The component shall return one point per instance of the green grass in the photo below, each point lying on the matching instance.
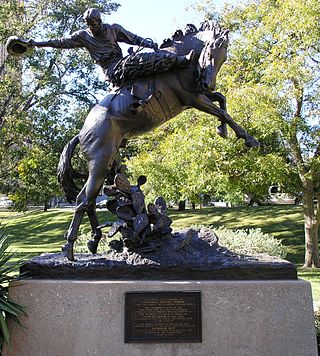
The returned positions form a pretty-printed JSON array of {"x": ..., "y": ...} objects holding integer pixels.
[
  {"x": 37, "y": 232},
  {"x": 312, "y": 275}
]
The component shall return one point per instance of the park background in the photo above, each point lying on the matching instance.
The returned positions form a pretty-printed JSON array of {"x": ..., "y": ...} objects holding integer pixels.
[{"x": 271, "y": 81}]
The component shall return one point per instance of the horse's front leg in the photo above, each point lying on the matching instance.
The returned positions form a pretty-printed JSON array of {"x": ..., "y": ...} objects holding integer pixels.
[
  {"x": 204, "y": 104},
  {"x": 222, "y": 129}
]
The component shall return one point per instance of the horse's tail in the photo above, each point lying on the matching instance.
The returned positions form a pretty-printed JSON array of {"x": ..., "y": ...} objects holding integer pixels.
[{"x": 66, "y": 174}]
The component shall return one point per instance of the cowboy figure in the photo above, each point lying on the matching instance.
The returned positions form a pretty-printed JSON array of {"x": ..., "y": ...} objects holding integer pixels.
[{"x": 101, "y": 41}]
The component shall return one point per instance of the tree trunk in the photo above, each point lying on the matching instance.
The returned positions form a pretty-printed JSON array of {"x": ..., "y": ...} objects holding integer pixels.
[
  {"x": 46, "y": 206},
  {"x": 182, "y": 205},
  {"x": 311, "y": 216},
  {"x": 311, "y": 227}
]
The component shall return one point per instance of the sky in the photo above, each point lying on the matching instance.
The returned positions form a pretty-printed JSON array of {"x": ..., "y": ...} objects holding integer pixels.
[
  {"x": 155, "y": 19},
  {"x": 158, "y": 19}
]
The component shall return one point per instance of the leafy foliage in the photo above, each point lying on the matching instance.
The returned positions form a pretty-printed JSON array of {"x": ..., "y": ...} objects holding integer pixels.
[
  {"x": 82, "y": 240},
  {"x": 37, "y": 182},
  {"x": 276, "y": 53},
  {"x": 250, "y": 242},
  {"x": 271, "y": 81},
  {"x": 317, "y": 325},
  {"x": 186, "y": 159},
  {"x": 9, "y": 309},
  {"x": 45, "y": 95},
  {"x": 242, "y": 241}
]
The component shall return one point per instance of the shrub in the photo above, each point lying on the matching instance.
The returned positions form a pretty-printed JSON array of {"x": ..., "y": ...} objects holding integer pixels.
[
  {"x": 317, "y": 326},
  {"x": 9, "y": 309},
  {"x": 317, "y": 323},
  {"x": 250, "y": 242}
]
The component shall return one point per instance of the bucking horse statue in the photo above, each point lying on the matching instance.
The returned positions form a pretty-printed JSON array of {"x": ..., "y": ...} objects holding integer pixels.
[{"x": 140, "y": 104}]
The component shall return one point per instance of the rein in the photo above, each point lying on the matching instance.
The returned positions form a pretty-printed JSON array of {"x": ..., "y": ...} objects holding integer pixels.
[{"x": 123, "y": 61}]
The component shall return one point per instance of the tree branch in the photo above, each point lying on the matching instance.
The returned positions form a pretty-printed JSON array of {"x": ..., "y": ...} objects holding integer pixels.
[
  {"x": 310, "y": 56},
  {"x": 293, "y": 141},
  {"x": 4, "y": 110},
  {"x": 32, "y": 96},
  {"x": 76, "y": 93}
]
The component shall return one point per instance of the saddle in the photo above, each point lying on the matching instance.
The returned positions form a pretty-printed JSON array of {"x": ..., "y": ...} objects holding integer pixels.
[{"x": 126, "y": 71}]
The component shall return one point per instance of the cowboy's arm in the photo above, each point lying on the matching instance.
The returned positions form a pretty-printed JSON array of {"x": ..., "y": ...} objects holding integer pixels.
[
  {"x": 74, "y": 41},
  {"x": 130, "y": 38}
]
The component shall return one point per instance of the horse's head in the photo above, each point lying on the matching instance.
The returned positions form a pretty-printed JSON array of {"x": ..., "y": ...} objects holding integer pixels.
[
  {"x": 210, "y": 43},
  {"x": 213, "y": 55}
]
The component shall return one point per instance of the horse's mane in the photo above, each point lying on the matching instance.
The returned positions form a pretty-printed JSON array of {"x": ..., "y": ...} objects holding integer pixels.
[{"x": 190, "y": 30}]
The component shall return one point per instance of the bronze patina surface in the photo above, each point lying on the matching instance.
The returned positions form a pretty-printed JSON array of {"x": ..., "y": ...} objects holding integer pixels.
[
  {"x": 187, "y": 255},
  {"x": 141, "y": 105},
  {"x": 149, "y": 89}
]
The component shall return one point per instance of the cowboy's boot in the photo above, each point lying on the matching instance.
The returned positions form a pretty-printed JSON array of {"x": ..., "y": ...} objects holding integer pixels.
[{"x": 184, "y": 61}]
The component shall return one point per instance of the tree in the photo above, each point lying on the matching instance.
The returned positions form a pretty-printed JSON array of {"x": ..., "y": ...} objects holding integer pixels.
[
  {"x": 276, "y": 52},
  {"x": 36, "y": 181},
  {"x": 44, "y": 96},
  {"x": 271, "y": 81},
  {"x": 186, "y": 159}
]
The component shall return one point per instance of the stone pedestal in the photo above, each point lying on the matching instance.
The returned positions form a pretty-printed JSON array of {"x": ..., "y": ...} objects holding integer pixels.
[{"x": 83, "y": 317}]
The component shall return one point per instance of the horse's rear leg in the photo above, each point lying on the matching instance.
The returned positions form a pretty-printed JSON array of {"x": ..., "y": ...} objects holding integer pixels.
[
  {"x": 71, "y": 234},
  {"x": 96, "y": 233},
  {"x": 85, "y": 200}
]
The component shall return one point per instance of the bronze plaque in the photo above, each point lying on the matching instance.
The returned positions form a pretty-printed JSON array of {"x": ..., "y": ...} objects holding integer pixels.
[{"x": 162, "y": 317}]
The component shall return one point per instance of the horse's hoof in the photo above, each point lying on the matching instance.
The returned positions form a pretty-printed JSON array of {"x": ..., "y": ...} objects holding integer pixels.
[
  {"x": 252, "y": 143},
  {"x": 93, "y": 246},
  {"x": 222, "y": 131},
  {"x": 67, "y": 251}
]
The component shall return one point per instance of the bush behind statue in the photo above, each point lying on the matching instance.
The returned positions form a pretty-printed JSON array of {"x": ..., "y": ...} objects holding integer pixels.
[
  {"x": 248, "y": 242},
  {"x": 9, "y": 309},
  {"x": 83, "y": 238}
]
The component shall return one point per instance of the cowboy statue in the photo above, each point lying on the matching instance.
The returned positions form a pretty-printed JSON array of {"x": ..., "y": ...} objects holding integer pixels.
[
  {"x": 189, "y": 63},
  {"x": 101, "y": 41}
]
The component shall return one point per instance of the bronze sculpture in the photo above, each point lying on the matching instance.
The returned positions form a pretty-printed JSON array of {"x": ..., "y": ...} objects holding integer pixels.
[
  {"x": 139, "y": 106},
  {"x": 157, "y": 91},
  {"x": 142, "y": 227},
  {"x": 101, "y": 41}
]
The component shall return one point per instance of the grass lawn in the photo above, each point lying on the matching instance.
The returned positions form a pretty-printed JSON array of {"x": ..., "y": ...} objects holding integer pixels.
[{"x": 37, "y": 232}]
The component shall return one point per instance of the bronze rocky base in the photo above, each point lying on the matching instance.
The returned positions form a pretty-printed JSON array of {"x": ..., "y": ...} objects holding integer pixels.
[{"x": 187, "y": 255}]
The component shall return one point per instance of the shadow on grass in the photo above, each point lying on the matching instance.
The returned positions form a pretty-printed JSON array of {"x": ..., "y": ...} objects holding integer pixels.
[
  {"x": 38, "y": 232},
  {"x": 43, "y": 231}
]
